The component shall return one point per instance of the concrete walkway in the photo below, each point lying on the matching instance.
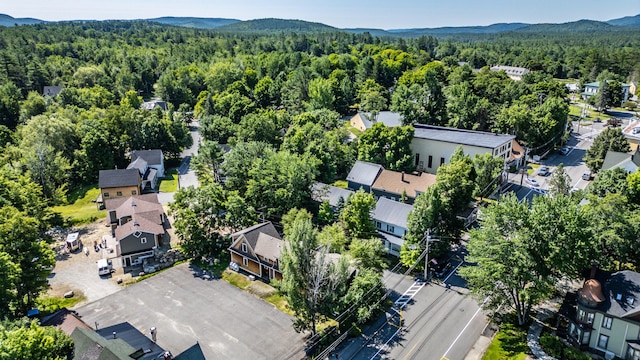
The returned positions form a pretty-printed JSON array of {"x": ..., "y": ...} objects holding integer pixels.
[{"x": 545, "y": 311}]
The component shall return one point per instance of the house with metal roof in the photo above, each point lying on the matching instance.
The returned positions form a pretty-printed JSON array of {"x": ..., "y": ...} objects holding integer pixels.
[
  {"x": 365, "y": 120},
  {"x": 513, "y": 72},
  {"x": 362, "y": 175},
  {"x": 155, "y": 103},
  {"x": 604, "y": 314},
  {"x": 153, "y": 158},
  {"x": 433, "y": 146},
  {"x": 52, "y": 90},
  {"x": 626, "y": 161},
  {"x": 256, "y": 250},
  {"x": 390, "y": 218},
  {"x": 321, "y": 192}
]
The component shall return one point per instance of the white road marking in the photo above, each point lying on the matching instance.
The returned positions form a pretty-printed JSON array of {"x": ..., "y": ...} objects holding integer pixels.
[{"x": 465, "y": 327}]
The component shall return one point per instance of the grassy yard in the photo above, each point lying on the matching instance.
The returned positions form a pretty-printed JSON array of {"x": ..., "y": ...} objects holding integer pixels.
[
  {"x": 341, "y": 184},
  {"x": 80, "y": 207},
  {"x": 169, "y": 183},
  {"x": 591, "y": 114},
  {"x": 509, "y": 344},
  {"x": 48, "y": 305}
]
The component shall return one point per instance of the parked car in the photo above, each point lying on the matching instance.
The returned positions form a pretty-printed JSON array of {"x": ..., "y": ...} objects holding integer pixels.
[
  {"x": 543, "y": 171},
  {"x": 586, "y": 176},
  {"x": 564, "y": 151},
  {"x": 532, "y": 182}
]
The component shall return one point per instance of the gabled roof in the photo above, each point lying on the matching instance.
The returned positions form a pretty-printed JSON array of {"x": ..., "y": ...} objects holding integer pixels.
[
  {"x": 139, "y": 222},
  {"x": 622, "y": 289},
  {"x": 321, "y": 192},
  {"x": 516, "y": 151},
  {"x": 252, "y": 233},
  {"x": 510, "y": 70},
  {"x": 151, "y": 104},
  {"x": 152, "y": 157},
  {"x": 364, "y": 172},
  {"x": 89, "y": 345},
  {"x": 388, "y": 118},
  {"x": 461, "y": 136},
  {"x": 65, "y": 320},
  {"x": 268, "y": 246},
  {"x": 397, "y": 182},
  {"x": 596, "y": 84},
  {"x": 615, "y": 159},
  {"x": 391, "y": 212},
  {"x": 146, "y": 207},
  {"x": 52, "y": 90},
  {"x": 118, "y": 178},
  {"x": 133, "y": 338},
  {"x": 113, "y": 204},
  {"x": 139, "y": 164}
]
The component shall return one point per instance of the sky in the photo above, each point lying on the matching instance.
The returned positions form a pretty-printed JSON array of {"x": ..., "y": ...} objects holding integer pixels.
[{"x": 381, "y": 14}]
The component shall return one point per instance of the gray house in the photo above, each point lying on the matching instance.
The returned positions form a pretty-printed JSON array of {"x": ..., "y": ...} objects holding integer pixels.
[
  {"x": 137, "y": 224},
  {"x": 390, "y": 218},
  {"x": 321, "y": 192},
  {"x": 362, "y": 175}
]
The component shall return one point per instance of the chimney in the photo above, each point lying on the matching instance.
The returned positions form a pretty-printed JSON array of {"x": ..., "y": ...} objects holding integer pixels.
[{"x": 594, "y": 270}]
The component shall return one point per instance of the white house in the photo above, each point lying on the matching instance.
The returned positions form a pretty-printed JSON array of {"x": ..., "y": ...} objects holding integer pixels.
[
  {"x": 433, "y": 146},
  {"x": 513, "y": 72},
  {"x": 390, "y": 218},
  {"x": 592, "y": 89}
]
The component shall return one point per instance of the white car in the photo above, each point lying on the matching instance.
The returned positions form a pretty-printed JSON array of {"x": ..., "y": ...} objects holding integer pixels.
[
  {"x": 532, "y": 182},
  {"x": 564, "y": 151},
  {"x": 543, "y": 171}
]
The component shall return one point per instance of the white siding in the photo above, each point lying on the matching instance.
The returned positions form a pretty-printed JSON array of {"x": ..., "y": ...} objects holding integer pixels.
[{"x": 424, "y": 148}]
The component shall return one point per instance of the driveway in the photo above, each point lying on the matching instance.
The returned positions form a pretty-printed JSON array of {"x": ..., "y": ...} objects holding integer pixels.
[
  {"x": 227, "y": 322},
  {"x": 79, "y": 272}
]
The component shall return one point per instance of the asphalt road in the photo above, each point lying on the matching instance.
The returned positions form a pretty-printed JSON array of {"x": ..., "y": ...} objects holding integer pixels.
[
  {"x": 439, "y": 322},
  {"x": 227, "y": 322}
]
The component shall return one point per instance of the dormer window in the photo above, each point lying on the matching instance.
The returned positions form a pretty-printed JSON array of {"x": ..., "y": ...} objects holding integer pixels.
[
  {"x": 244, "y": 247},
  {"x": 618, "y": 297},
  {"x": 630, "y": 300}
]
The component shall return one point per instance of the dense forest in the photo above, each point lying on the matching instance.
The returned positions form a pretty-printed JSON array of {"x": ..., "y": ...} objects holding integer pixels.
[{"x": 277, "y": 99}]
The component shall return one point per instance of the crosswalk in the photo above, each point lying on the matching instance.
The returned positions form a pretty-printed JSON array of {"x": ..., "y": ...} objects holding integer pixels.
[{"x": 403, "y": 300}]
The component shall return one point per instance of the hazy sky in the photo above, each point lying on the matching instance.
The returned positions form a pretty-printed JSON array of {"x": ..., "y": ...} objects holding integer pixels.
[{"x": 385, "y": 14}]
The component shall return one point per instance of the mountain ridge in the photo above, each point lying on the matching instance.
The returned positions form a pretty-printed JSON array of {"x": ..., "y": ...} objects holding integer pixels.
[{"x": 284, "y": 25}]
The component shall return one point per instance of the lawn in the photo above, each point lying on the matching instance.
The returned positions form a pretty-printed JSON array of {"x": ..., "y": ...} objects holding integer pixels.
[
  {"x": 81, "y": 207},
  {"x": 341, "y": 184},
  {"x": 590, "y": 114},
  {"x": 509, "y": 344},
  {"x": 169, "y": 183}
]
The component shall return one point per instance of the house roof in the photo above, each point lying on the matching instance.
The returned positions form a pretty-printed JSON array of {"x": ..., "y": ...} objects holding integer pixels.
[
  {"x": 153, "y": 157},
  {"x": 396, "y": 182},
  {"x": 52, "y": 90},
  {"x": 139, "y": 164},
  {"x": 139, "y": 222},
  {"x": 511, "y": 70},
  {"x": 268, "y": 246},
  {"x": 596, "y": 84},
  {"x": 65, "y": 320},
  {"x": 364, "y": 172},
  {"x": 622, "y": 290},
  {"x": 113, "y": 204},
  {"x": 252, "y": 233},
  {"x": 89, "y": 345},
  {"x": 151, "y": 104},
  {"x": 133, "y": 338},
  {"x": 461, "y": 136},
  {"x": 391, "y": 212},
  {"x": 388, "y": 118},
  {"x": 390, "y": 238},
  {"x": 629, "y": 162},
  {"x": 118, "y": 178},
  {"x": 321, "y": 192}
]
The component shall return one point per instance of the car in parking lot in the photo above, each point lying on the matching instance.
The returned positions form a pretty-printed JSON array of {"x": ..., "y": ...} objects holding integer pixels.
[
  {"x": 543, "y": 171},
  {"x": 564, "y": 150},
  {"x": 532, "y": 182}
]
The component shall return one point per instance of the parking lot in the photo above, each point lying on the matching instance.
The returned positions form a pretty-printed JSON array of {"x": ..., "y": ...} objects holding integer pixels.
[{"x": 227, "y": 322}]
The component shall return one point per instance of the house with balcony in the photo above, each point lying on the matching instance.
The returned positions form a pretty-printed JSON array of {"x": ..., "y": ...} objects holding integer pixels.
[
  {"x": 603, "y": 316},
  {"x": 256, "y": 250}
]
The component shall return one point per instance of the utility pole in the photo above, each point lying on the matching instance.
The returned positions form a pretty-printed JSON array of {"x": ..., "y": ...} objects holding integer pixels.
[{"x": 426, "y": 261}]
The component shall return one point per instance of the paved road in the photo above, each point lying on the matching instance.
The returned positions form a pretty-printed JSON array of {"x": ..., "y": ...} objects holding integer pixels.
[
  {"x": 227, "y": 322},
  {"x": 440, "y": 321},
  {"x": 186, "y": 176}
]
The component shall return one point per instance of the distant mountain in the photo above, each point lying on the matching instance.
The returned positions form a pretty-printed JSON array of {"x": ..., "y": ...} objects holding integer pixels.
[
  {"x": 276, "y": 25},
  {"x": 625, "y": 21},
  {"x": 490, "y": 29},
  {"x": 194, "y": 22},
  {"x": 373, "y": 32},
  {"x": 575, "y": 26},
  {"x": 6, "y": 20}
]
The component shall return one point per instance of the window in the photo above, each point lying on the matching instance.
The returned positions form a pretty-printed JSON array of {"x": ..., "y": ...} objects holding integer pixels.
[
  {"x": 606, "y": 322},
  {"x": 118, "y": 193},
  {"x": 585, "y": 317},
  {"x": 590, "y": 317},
  {"x": 441, "y": 161},
  {"x": 633, "y": 354},
  {"x": 105, "y": 195},
  {"x": 133, "y": 192},
  {"x": 378, "y": 225},
  {"x": 390, "y": 228},
  {"x": 509, "y": 146},
  {"x": 417, "y": 159},
  {"x": 603, "y": 340},
  {"x": 143, "y": 240},
  {"x": 430, "y": 164},
  {"x": 244, "y": 247},
  {"x": 245, "y": 262},
  {"x": 137, "y": 233}
]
